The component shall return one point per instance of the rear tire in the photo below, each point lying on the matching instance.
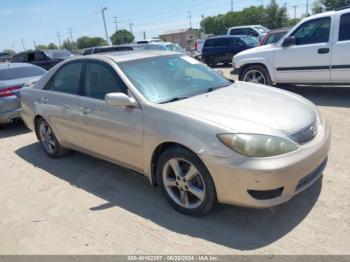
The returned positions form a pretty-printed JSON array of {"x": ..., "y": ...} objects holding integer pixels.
[
  {"x": 48, "y": 140},
  {"x": 185, "y": 182},
  {"x": 210, "y": 61},
  {"x": 256, "y": 74}
]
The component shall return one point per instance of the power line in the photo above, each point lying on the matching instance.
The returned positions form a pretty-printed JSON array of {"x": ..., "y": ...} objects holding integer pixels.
[
  {"x": 295, "y": 11},
  {"x": 131, "y": 26},
  {"x": 24, "y": 48},
  {"x": 104, "y": 22}
]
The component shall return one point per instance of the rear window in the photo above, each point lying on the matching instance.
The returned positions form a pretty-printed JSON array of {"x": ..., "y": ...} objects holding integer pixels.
[
  {"x": 20, "y": 72},
  {"x": 344, "y": 28},
  {"x": 275, "y": 37},
  {"x": 249, "y": 40},
  {"x": 210, "y": 43},
  {"x": 58, "y": 54},
  {"x": 236, "y": 32}
]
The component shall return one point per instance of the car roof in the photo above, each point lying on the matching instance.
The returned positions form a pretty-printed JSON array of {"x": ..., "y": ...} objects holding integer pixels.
[
  {"x": 226, "y": 36},
  {"x": 243, "y": 26},
  {"x": 124, "y": 56},
  {"x": 14, "y": 65}
]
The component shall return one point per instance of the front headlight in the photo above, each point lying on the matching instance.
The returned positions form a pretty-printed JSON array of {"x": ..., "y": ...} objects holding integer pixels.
[{"x": 254, "y": 145}]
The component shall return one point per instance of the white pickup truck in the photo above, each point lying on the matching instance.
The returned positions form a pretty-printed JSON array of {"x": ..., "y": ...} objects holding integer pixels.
[{"x": 317, "y": 50}]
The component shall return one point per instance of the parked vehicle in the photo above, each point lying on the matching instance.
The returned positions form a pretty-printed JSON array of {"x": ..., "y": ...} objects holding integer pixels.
[
  {"x": 149, "y": 41},
  {"x": 168, "y": 46},
  {"x": 221, "y": 49},
  {"x": 105, "y": 49},
  {"x": 314, "y": 51},
  {"x": 257, "y": 31},
  {"x": 13, "y": 77},
  {"x": 198, "y": 45},
  {"x": 274, "y": 36},
  {"x": 192, "y": 132},
  {"x": 43, "y": 58},
  {"x": 4, "y": 57}
]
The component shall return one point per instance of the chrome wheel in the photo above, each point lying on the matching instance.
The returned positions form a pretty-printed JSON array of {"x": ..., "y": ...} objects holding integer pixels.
[
  {"x": 254, "y": 76},
  {"x": 183, "y": 183},
  {"x": 47, "y": 138}
]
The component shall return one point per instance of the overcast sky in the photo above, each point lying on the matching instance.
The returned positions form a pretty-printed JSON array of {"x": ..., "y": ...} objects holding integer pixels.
[{"x": 40, "y": 20}]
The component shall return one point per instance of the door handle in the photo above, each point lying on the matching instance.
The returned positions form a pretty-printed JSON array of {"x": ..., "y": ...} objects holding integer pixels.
[
  {"x": 323, "y": 50},
  {"x": 85, "y": 110},
  {"x": 44, "y": 100}
]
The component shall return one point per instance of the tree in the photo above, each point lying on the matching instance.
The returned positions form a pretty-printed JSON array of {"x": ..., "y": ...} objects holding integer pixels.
[
  {"x": 41, "y": 47},
  {"x": 334, "y": 4},
  {"x": 52, "y": 46},
  {"x": 317, "y": 7},
  {"x": 122, "y": 37},
  {"x": 69, "y": 45},
  {"x": 9, "y": 51},
  {"x": 276, "y": 16},
  {"x": 86, "y": 41}
]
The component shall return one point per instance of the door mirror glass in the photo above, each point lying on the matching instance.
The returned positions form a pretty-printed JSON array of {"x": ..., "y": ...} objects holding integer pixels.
[
  {"x": 120, "y": 99},
  {"x": 289, "y": 41}
]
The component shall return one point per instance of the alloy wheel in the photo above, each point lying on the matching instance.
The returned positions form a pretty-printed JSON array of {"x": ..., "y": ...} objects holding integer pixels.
[
  {"x": 254, "y": 76},
  {"x": 184, "y": 183},
  {"x": 47, "y": 138}
]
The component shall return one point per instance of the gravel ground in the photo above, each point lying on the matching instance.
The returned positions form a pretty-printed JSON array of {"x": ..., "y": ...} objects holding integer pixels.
[{"x": 83, "y": 205}]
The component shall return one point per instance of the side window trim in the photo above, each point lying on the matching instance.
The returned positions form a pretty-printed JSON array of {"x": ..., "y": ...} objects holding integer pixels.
[
  {"x": 109, "y": 68},
  {"x": 48, "y": 85}
]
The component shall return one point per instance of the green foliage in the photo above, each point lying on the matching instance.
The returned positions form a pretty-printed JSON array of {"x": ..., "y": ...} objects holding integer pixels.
[
  {"x": 273, "y": 16},
  {"x": 122, "y": 37},
  {"x": 41, "y": 47},
  {"x": 293, "y": 22},
  {"x": 52, "y": 46},
  {"x": 86, "y": 41},
  {"x": 317, "y": 7},
  {"x": 69, "y": 45},
  {"x": 334, "y": 4},
  {"x": 9, "y": 51}
]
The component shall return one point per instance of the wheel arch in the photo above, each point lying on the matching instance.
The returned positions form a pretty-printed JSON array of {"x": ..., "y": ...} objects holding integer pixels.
[{"x": 263, "y": 63}]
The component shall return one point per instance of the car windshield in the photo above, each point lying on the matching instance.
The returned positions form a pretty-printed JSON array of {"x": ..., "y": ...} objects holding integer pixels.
[
  {"x": 166, "y": 78},
  {"x": 249, "y": 40},
  {"x": 20, "y": 72},
  {"x": 58, "y": 54},
  {"x": 262, "y": 29}
]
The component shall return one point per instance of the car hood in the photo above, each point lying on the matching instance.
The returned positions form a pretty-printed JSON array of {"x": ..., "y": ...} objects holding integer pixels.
[
  {"x": 246, "y": 107},
  {"x": 258, "y": 49}
]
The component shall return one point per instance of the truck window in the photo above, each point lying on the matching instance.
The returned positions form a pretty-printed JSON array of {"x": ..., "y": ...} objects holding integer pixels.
[
  {"x": 313, "y": 31},
  {"x": 344, "y": 27},
  {"x": 210, "y": 43}
]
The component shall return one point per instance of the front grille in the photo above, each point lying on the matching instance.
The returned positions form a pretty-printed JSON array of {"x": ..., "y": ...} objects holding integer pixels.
[
  {"x": 305, "y": 135},
  {"x": 312, "y": 176}
]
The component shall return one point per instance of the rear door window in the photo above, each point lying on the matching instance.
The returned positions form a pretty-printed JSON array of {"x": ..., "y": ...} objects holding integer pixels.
[
  {"x": 67, "y": 79},
  {"x": 224, "y": 42},
  {"x": 236, "y": 32},
  {"x": 344, "y": 27}
]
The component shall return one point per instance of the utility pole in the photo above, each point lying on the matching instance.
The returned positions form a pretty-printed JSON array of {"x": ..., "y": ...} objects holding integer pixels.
[
  {"x": 70, "y": 34},
  {"x": 190, "y": 18},
  {"x": 144, "y": 35},
  {"x": 34, "y": 44},
  {"x": 24, "y": 48},
  {"x": 262, "y": 3},
  {"x": 116, "y": 23},
  {"x": 231, "y": 5},
  {"x": 295, "y": 11},
  {"x": 307, "y": 7},
  {"x": 131, "y": 25},
  {"x": 104, "y": 22},
  {"x": 203, "y": 17},
  {"x": 285, "y": 5},
  {"x": 59, "y": 39}
]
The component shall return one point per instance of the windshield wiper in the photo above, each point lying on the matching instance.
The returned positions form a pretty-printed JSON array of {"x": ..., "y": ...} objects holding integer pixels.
[
  {"x": 210, "y": 89},
  {"x": 177, "y": 98}
]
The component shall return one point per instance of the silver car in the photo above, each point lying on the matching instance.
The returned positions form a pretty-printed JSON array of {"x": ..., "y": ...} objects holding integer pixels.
[
  {"x": 198, "y": 136},
  {"x": 13, "y": 77}
]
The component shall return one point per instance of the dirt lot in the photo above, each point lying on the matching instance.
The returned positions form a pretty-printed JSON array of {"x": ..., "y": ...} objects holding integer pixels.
[{"x": 82, "y": 205}]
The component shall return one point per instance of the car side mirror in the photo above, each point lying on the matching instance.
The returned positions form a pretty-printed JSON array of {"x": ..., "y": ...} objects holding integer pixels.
[
  {"x": 120, "y": 99},
  {"x": 289, "y": 41}
]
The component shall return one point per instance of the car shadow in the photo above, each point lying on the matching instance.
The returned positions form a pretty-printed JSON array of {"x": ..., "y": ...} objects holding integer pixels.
[
  {"x": 337, "y": 96},
  {"x": 13, "y": 129},
  {"x": 234, "y": 227}
]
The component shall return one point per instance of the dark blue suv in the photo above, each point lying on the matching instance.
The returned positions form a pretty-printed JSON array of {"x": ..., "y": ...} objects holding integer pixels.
[{"x": 221, "y": 49}]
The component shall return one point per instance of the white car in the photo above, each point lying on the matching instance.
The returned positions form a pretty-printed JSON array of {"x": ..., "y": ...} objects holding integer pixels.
[
  {"x": 317, "y": 50},
  {"x": 257, "y": 31}
]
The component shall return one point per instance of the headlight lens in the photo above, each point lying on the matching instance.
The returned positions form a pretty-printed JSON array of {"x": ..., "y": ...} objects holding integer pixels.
[{"x": 254, "y": 145}]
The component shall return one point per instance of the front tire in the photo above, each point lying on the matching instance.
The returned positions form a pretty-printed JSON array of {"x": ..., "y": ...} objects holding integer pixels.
[
  {"x": 48, "y": 140},
  {"x": 185, "y": 182},
  {"x": 257, "y": 74}
]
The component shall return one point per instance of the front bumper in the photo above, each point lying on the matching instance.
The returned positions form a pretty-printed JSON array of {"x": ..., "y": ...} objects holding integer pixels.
[
  {"x": 266, "y": 182},
  {"x": 236, "y": 71},
  {"x": 10, "y": 109}
]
